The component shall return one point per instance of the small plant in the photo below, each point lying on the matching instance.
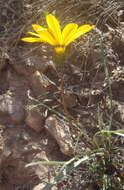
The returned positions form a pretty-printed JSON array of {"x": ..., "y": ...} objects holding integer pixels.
[{"x": 106, "y": 167}]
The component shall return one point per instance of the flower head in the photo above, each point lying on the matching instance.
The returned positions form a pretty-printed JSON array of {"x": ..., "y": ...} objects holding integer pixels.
[{"x": 56, "y": 37}]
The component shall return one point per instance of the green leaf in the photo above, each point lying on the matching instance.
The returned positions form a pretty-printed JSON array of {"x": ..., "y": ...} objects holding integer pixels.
[{"x": 45, "y": 163}]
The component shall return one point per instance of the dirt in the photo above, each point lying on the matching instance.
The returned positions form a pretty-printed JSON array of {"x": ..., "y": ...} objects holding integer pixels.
[{"x": 30, "y": 95}]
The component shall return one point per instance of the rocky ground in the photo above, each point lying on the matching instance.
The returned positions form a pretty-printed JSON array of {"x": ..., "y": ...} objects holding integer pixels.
[{"x": 34, "y": 123}]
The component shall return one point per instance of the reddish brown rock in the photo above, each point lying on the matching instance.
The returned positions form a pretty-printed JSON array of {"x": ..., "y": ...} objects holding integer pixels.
[
  {"x": 35, "y": 120},
  {"x": 40, "y": 83},
  {"x": 59, "y": 129}
]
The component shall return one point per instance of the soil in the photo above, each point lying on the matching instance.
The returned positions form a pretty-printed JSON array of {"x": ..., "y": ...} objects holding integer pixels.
[{"x": 34, "y": 124}]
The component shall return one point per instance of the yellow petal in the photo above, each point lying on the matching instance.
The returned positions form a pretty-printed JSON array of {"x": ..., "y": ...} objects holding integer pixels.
[
  {"x": 54, "y": 27},
  {"x": 34, "y": 34},
  {"x": 68, "y": 31},
  {"x": 80, "y": 31},
  {"x": 30, "y": 39},
  {"x": 46, "y": 36},
  {"x": 37, "y": 28}
]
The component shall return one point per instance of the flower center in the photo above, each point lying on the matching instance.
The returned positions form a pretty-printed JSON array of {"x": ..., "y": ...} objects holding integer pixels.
[{"x": 60, "y": 50}]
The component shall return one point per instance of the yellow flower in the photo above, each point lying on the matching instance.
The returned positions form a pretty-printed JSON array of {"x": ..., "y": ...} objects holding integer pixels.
[{"x": 56, "y": 37}]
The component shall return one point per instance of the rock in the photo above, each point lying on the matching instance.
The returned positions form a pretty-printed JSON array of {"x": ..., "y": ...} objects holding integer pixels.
[
  {"x": 14, "y": 98},
  {"x": 25, "y": 64},
  {"x": 35, "y": 120},
  {"x": 2, "y": 143},
  {"x": 19, "y": 147},
  {"x": 40, "y": 83},
  {"x": 41, "y": 186},
  {"x": 11, "y": 108},
  {"x": 59, "y": 129}
]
